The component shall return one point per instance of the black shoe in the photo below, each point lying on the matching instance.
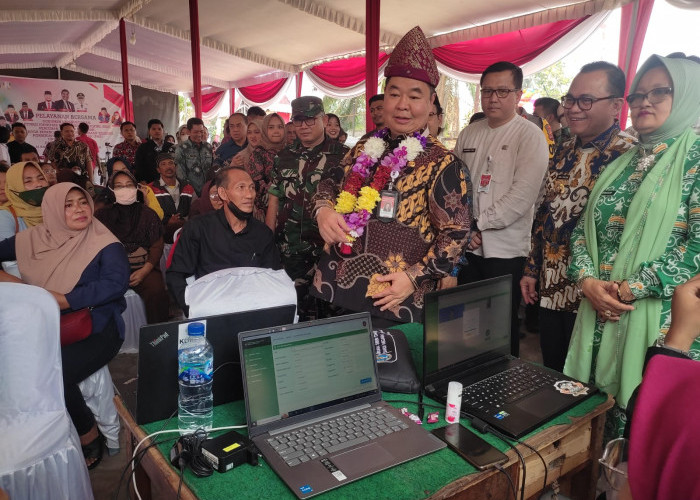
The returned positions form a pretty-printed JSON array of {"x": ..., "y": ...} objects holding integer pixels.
[{"x": 94, "y": 449}]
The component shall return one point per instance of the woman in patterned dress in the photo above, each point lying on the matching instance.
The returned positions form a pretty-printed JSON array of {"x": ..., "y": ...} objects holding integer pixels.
[
  {"x": 639, "y": 237},
  {"x": 272, "y": 137}
]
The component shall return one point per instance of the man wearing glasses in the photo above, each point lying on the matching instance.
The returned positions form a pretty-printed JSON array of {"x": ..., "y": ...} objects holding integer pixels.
[
  {"x": 507, "y": 159},
  {"x": 591, "y": 106},
  {"x": 296, "y": 172}
]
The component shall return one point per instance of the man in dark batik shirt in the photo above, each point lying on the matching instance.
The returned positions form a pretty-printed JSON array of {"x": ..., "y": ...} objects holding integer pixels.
[{"x": 396, "y": 260}]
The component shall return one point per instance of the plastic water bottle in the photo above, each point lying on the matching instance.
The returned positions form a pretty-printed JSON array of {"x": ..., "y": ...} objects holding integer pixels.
[{"x": 195, "y": 377}]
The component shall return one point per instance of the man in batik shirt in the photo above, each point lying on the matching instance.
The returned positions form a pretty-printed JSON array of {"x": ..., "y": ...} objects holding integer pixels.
[
  {"x": 293, "y": 181},
  {"x": 408, "y": 230},
  {"x": 597, "y": 140}
]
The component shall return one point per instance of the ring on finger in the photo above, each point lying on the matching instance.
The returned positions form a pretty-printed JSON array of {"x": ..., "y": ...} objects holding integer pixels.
[{"x": 608, "y": 313}]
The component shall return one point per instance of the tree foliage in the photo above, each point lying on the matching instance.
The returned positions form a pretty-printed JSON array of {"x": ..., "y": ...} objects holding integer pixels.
[{"x": 550, "y": 82}]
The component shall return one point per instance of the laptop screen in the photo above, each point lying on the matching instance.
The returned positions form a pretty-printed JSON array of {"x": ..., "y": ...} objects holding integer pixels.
[
  {"x": 307, "y": 367},
  {"x": 466, "y": 325}
]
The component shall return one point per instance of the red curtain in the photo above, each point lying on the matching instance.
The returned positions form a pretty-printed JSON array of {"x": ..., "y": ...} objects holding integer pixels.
[
  {"x": 210, "y": 100},
  {"x": 345, "y": 73},
  {"x": 262, "y": 92},
  {"x": 633, "y": 28},
  {"x": 518, "y": 47}
]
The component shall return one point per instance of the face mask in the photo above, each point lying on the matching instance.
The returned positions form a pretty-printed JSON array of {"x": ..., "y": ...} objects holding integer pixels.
[
  {"x": 240, "y": 214},
  {"x": 126, "y": 195},
  {"x": 32, "y": 197}
]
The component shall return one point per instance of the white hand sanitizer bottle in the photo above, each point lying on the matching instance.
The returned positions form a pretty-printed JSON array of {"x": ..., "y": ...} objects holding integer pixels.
[{"x": 454, "y": 402}]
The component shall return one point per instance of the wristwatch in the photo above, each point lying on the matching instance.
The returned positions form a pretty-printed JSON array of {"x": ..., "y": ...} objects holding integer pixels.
[{"x": 579, "y": 286}]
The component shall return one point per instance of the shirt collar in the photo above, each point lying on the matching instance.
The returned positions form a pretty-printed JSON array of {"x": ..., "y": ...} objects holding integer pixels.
[{"x": 603, "y": 140}]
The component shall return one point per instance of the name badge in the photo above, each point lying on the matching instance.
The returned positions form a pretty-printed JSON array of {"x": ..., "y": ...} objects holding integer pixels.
[
  {"x": 484, "y": 183},
  {"x": 388, "y": 205},
  {"x": 468, "y": 150}
]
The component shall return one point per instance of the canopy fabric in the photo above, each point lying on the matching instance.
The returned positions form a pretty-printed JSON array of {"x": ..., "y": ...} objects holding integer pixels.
[
  {"x": 246, "y": 42},
  {"x": 264, "y": 94}
]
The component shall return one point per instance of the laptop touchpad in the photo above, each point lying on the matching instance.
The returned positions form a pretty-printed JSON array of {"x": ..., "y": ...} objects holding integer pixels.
[
  {"x": 541, "y": 403},
  {"x": 366, "y": 458}
]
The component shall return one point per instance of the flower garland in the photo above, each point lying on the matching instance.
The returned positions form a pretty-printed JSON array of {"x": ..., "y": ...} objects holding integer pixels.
[{"x": 357, "y": 201}]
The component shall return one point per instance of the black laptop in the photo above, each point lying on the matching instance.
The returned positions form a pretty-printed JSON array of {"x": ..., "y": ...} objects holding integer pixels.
[
  {"x": 467, "y": 339},
  {"x": 157, "y": 386}
]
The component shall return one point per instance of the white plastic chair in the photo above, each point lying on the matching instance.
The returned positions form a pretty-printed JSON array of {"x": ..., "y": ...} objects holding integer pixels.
[
  {"x": 239, "y": 289},
  {"x": 40, "y": 456}
]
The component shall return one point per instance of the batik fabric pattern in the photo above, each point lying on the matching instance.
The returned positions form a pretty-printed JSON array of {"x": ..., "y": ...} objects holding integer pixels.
[
  {"x": 658, "y": 278},
  {"x": 426, "y": 239},
  {"x": 571, "y": 176}
]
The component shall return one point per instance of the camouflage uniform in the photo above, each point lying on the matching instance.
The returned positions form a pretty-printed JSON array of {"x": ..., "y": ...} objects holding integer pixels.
[{"x": 293, "y": 180}]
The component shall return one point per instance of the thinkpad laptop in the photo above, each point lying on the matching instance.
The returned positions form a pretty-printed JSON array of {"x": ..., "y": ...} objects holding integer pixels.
[
  {"x": 157, "y": 386},
  {"x": 314, "y": 406},
  {"x": 467, "y": 339}
]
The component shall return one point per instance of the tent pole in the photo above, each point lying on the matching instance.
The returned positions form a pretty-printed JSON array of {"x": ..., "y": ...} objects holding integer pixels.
[
  {"x": 232, "y": 99},
  {"x": 300, "y": 77},
  {"x": 125, "y": 71},
  {"x": 196, "y": 62},
  {"x": 371, "y": 55}
]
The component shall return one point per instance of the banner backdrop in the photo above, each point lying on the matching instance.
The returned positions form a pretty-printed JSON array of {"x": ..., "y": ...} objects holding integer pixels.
[{"x": 42, "y": 105}]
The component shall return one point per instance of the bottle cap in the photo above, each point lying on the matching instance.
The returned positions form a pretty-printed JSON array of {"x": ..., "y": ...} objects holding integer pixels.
[
  {"x": 454, "y": 390},
  {"x": 195, "y": 329}
]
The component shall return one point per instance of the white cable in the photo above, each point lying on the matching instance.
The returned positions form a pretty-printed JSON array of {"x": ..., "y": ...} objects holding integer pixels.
[{"x": 170, "y": 431}]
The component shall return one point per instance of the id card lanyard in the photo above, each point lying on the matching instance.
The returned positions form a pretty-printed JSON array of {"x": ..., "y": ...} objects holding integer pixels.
[
  {"x": 388, "y": 201},
  {"x": 485, "y": 180}
]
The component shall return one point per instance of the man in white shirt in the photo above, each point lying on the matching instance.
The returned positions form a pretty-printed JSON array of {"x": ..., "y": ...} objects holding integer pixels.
[{"x": 507, "y": 159}]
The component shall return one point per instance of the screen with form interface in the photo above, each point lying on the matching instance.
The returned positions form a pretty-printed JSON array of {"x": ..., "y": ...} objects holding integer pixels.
[{"x": 293, "y": 372}]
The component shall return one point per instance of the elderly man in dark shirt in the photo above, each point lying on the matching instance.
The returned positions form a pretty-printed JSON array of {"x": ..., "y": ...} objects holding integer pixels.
[{"x": 224, "y": 238}]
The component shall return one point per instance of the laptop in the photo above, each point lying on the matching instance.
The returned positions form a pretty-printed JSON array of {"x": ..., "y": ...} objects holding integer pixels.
[
  {"x": 314, "y": 407},
  {"x": 157, "y": 385},
  {"x": 467, "y": 339}
]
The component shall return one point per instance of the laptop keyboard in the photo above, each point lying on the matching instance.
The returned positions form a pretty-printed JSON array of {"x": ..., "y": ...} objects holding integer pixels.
[
  {"x": 490, "y": 394},
  {"x": 330, "y": 436}
]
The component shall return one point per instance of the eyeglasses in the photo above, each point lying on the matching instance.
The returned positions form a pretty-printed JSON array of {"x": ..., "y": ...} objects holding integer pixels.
[
  {"x": 434, "y": 114},
  {"x": 654, "y": 96},
  {"x": 584, "y": 102},
  {"x": 500, "y": 93},
  {"x": 214, "y": 196},
  {"x": 123, "y": 186},
  {"x": 308, "y": 121}
]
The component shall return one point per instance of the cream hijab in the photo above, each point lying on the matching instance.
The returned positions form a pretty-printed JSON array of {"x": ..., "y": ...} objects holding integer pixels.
[{"x": 53, "y": 256}]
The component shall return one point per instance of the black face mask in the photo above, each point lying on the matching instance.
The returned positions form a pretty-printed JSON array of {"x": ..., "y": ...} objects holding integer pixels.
[
  {"x": 240, "y": 214},
  {"x": 33, "y": 197}
]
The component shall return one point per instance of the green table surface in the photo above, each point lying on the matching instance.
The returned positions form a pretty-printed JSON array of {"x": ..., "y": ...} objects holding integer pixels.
[{"x": 418, "y": 478}]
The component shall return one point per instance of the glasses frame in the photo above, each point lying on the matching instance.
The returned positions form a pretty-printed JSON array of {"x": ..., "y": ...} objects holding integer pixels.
[
  {"x": 578, "y": 101},
  {"x": 309, "y": 122},
  {"x": 500, "y": 93},
  {"x": 666, "y": 91}
]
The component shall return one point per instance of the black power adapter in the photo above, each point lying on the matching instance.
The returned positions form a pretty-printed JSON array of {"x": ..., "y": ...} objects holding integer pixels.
[{"x": 229, "y": 450}]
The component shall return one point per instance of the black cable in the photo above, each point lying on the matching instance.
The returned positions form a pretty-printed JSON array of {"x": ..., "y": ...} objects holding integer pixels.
[
  {"x": 136, "y": 457},
  {"x": 501, "y": 436},
  {"x": 510, "y": 480}
]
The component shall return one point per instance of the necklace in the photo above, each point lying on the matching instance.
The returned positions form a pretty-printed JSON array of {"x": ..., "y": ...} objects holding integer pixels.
[
  {"x": 357, "y": 201},
  {"x": 648, "y": 159}
]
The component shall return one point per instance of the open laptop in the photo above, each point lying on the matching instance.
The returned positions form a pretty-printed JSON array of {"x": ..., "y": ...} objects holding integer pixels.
[
  {"x": 305, "y": 386},
  {"x": 467, "y": 339},
  {"x": 157, "y": 385}
]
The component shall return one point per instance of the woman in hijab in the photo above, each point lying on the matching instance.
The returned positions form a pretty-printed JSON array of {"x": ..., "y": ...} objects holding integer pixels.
[
  {"x": 209, "y": 200},
  {"x": 640, "y": 235},
  {"x": 262, "y": 159},
  {"x": 23, "y": 187},
  {"x": 83, "y": 265},
  {"x": 140, "y": 231},
  {"x": 254, "y": 138},
  {"x": 119, "y": 163}
]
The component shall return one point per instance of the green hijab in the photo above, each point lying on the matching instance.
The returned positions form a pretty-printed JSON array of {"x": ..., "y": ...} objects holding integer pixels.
[
  {"x": 685, "y": 76},
  {"x": 648, "y": 224}
]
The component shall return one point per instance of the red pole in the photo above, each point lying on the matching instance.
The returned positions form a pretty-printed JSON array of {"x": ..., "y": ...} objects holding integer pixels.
[
  {"x": 196, "y": 62},
  {"x": 232, "y": 99},
  {"x": 300, "y": 77},
  {"x": 128, "y": 111},
  {"x": 372, "y": 54}
]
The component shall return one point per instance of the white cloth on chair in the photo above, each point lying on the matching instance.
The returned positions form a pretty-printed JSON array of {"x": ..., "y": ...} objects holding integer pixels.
[
  {"x": 134, "y": 318},
  {"x": 40, "y": 456},
  {"x": 239, "y": 289},
  {"x": 98, "y": 393}
]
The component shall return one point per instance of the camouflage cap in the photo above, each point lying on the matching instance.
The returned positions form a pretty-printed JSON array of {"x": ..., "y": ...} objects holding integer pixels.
[
  {"x": 308, "y": 106},
  {"x": 164, "y": 156}
]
